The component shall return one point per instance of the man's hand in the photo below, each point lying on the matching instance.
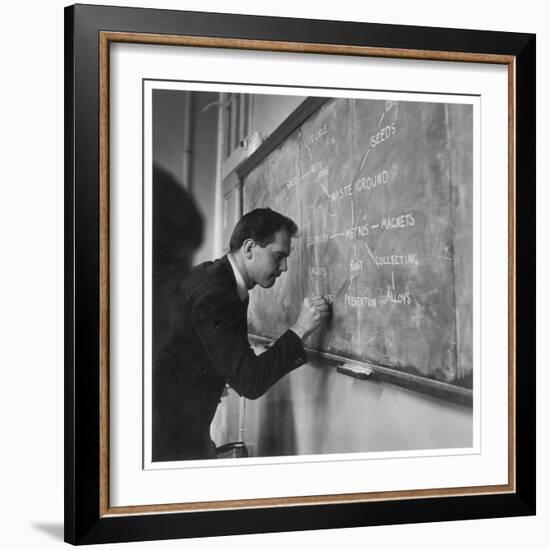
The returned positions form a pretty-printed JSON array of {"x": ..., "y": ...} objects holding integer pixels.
[{"x": 314, "y": 311}]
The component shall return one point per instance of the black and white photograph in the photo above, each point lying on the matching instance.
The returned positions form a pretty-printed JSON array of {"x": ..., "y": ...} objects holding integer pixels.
[{"x": 309, "y": 273}]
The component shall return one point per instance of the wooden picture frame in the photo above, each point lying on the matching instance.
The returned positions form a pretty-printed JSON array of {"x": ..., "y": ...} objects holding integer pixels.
[{"x": 89, "y": 515}]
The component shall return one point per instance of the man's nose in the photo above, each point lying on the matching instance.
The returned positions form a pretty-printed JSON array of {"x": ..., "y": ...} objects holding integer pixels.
[{"x": 282, "y": 265}]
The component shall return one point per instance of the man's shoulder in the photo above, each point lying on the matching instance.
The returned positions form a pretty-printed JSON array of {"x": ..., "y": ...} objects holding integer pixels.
[{"x": 212, "y": 277}]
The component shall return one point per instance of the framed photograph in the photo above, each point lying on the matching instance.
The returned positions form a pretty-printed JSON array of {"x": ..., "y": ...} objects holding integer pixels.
[{"x": 300, "y": 277}]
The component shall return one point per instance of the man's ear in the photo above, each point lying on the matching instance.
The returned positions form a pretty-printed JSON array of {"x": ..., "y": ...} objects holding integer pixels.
[{"x": 248, "y": 245}]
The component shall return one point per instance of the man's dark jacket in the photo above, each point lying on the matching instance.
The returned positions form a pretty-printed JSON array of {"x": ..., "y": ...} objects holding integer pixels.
[{"x": 208, "y": 347}]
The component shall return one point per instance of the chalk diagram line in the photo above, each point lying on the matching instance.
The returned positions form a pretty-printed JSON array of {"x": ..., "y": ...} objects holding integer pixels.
[
  {"x": 370, "y": 253},
  {"x": 324, "y": 189},
  {"x": 364, "y": 159}
]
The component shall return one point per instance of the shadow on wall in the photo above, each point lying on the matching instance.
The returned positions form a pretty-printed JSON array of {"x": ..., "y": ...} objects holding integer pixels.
[
  {"x": 177, "y": 233},
  {"x": 53, "y": 530}
]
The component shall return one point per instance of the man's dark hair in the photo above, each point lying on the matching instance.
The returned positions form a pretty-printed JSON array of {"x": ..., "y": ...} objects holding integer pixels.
[{"x": 260, "y": 225}]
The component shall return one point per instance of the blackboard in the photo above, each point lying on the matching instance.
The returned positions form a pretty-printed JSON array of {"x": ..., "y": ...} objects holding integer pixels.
[{"x": 382, "y": 193}]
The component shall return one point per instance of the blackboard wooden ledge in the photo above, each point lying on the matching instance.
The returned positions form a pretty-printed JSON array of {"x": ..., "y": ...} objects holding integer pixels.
[{"x": 433, "y": 388}]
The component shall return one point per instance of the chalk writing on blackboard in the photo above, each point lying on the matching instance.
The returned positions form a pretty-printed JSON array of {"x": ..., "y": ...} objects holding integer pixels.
[{"x": 382, "y": 192}]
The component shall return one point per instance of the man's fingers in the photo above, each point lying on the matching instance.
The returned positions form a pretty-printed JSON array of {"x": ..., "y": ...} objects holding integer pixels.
[
  {"x": 318, "y": 307},
  {"x": 323, "y": 312}
]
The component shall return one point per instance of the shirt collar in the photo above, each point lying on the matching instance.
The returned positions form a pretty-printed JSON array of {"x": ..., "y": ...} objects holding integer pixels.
[{"x": 241, "y": 286}]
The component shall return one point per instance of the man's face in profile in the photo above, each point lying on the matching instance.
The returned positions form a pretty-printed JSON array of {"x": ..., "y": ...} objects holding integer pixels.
[{"x": 268, "y": 262}]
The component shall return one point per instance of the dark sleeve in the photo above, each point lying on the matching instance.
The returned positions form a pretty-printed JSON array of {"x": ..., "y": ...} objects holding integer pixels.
[{"x": 221, "y": 329}]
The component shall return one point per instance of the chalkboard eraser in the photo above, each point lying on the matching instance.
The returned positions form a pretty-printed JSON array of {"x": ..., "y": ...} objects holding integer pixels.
[{"x": 357, "y": 371}]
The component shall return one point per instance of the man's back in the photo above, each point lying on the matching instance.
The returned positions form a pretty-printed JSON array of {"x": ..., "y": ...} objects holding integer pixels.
[{"x": 186, "y": 389}]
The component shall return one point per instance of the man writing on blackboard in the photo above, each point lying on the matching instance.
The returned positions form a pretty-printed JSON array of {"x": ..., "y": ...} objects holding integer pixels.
[{"x": 208, "y": 346}]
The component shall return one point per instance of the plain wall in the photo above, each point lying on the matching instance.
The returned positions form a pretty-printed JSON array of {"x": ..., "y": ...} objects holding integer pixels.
[
  {"x": 268, "y": 111},
  {"x": 317, "y": 410}
]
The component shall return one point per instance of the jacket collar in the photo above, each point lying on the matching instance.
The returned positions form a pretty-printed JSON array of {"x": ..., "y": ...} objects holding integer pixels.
[{"x": 231, "y": 267}]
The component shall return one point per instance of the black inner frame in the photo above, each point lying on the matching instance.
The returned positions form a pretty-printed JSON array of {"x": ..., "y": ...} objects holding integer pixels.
[{"x": 83, "y": 524}]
